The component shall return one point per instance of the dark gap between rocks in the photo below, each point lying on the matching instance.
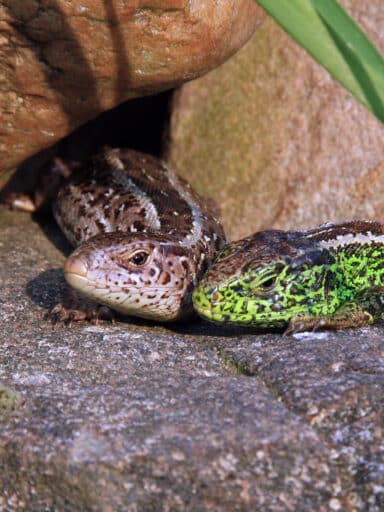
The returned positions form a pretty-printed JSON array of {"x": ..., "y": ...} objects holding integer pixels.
[{"x": 140, "y": 124}]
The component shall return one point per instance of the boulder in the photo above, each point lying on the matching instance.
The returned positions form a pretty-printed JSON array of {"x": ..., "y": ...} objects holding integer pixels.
[
  {"x": 276, "y": 141},
  {"x": 138, "y": 416},
  {"x": 62, "y": 63}
]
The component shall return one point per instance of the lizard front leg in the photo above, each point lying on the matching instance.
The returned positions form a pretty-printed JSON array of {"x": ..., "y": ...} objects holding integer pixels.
[
  {"x": 74, "y": 308},
  {"x": 366, "y": 307},
  {"x": 348, "y": 315}
]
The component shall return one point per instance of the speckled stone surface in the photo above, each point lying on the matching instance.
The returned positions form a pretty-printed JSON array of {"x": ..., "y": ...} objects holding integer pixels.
[
  {"x": 63, "y": 62},
  {"x": 142, "y": 417},
  {"x": 276, "y": 141}
]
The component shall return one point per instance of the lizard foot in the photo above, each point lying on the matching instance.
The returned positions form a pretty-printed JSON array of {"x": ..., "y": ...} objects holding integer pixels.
[
  {"x": 60, "y": 314},
  {"x": 348, "y": 315},
  {"x": 76, "y": 308}
]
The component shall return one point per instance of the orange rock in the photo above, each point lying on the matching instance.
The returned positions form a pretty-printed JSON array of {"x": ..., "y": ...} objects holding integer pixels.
[
  {"x": 65, "y": 62},
  {"x": 276, "y": 141}
]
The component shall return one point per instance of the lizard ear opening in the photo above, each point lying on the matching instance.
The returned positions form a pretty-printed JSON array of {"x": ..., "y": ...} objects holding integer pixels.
[{"x": 317, "y": 256}]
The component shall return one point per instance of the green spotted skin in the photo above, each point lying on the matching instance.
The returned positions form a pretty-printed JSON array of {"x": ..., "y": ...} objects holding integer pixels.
[{"x": 331, "y": 276}]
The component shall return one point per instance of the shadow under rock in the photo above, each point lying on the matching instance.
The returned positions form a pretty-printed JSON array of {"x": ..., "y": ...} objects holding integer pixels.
[
  {"x": 52, "y": 231},
  {"x": 48, "y": 288},
  {"x": 199, "y": 327},
  {"x": 139, "y": 124}
]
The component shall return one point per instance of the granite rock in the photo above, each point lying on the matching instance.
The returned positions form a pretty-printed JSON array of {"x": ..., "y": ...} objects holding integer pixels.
[
  {"x": 335, "y": 382},
  {"x": 276, "y": 141},
  {"x": 62, "y": 63},
  {"x": 138, "y": 416}
]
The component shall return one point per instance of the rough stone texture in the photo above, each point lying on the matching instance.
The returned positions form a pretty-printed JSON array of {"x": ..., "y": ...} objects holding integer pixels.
[
  {"x": 335, "y": 382},
  {"x": 137, "y": 416},
  {"x": 276, "y": 141},
  {"x": 64, "y": 62},
  {"x": 137, "y": 124}
]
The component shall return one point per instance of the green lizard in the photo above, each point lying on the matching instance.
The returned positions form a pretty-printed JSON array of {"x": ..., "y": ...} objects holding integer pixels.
[{"x": 330, "y": 277}]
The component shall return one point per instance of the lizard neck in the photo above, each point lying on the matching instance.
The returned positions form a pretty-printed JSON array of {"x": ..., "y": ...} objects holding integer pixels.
[{"x": 358, "y": 248}]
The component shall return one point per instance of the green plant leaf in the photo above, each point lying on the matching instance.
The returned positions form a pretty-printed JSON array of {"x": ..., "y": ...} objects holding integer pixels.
[{"x": 328, "y": 33}]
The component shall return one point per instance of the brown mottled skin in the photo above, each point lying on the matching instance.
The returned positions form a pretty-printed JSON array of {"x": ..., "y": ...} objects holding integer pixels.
[{"x": 144, "y": 236}]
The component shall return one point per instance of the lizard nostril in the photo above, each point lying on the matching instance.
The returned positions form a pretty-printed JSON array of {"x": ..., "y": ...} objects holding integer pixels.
[{"x": 76, "y": 264}]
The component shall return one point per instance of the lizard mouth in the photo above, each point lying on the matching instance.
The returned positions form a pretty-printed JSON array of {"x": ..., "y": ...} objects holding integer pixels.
[
  {"x": 211, "y": 307},
  {"x": 204, "y": 311},
  {"x": 76, "y": 265},
  {"x": 204, "y": 306},
  {"x": 212, "y": 316},
  {"x": 75, "y": 271}
]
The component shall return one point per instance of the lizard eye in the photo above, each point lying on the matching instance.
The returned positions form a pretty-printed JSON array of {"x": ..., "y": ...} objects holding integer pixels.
[{"x": 139, "y": 258}]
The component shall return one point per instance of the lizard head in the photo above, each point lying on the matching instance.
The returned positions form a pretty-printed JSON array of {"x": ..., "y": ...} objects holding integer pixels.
[
  {"x": 137, "y": 274},
  {"x": 265, "y": 280}
]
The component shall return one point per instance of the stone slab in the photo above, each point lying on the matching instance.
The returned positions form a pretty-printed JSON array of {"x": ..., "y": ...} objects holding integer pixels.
[{"x": 138, "y": 416}]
